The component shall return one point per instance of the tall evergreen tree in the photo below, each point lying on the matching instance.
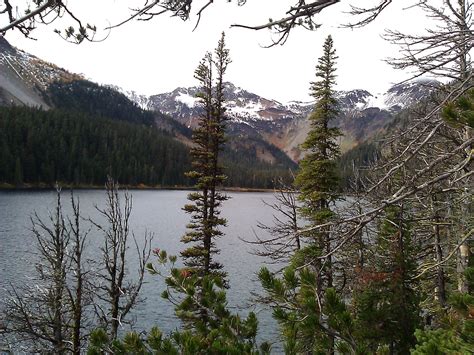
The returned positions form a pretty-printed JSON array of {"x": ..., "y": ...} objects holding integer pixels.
[
  {"x": 208, "y": 139},
  {"x": 317, "y": 178},
  {"x": 299, "y": 298}
]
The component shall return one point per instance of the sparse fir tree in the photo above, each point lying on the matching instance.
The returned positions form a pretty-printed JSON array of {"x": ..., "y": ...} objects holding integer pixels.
[{"x": 208, "y": 139}]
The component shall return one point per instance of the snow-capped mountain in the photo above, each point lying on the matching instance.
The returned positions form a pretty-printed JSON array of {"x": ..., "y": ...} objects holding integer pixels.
[
  {"x": 245, "y": 107},
  {"x": 140, "y": 99},
  {"x": 406, "y": 94},
  {"x": 23, "y": 77},
  {"x": 242, "y": 106},
  {"x": 26, "y": 79},
  {"x": 362, "y": 114}
]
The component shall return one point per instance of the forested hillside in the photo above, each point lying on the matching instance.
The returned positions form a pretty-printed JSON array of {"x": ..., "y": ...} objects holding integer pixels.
[
  {"x": 47, "y": 146},
  {"x": 384, "y": 267},
  {"x": 42, "y": 147},
  {"x": 99, "y": 101}
]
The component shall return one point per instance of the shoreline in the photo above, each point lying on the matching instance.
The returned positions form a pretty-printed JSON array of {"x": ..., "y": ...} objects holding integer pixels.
[{"x": 33, "y": 187}]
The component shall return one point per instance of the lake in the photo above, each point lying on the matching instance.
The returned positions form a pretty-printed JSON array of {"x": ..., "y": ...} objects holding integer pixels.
[{"x": 159, "y": 212}]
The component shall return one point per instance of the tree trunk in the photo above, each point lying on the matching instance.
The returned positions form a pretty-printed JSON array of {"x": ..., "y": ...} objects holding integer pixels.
[{"x": 440, "y": 290}]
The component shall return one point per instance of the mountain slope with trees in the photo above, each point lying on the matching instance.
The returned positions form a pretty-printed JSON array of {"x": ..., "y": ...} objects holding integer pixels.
[
  {"x": 390, "y": 270},
  {"x": 40, "y": 147},
  {"x": 61, "y": 95}
]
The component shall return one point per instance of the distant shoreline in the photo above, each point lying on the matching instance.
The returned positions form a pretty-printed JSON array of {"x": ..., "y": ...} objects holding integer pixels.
[{"x": 32, "y": 187}]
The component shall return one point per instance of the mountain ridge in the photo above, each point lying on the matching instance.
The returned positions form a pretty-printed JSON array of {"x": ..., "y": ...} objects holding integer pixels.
[
  {"x": 33, "y": 83},
  {"x": 362, "y": 114},
  {"x": 26, "y": 79}
]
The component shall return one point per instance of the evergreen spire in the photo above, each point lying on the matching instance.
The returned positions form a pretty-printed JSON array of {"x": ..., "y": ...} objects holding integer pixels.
[
  {"x": 317, "y": 178},
  {"x": 208, "y": 139}
]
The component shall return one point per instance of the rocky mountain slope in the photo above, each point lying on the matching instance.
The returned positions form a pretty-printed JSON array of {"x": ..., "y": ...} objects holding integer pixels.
[
  {"x": 263, "y": 125},
  {"x": 24, "y": 77},
  {"x": 284, "y": 124}
]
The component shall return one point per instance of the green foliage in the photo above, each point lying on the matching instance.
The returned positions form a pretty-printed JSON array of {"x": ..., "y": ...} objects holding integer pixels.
[
  {"x": 70, "y": 147},
  {"x": 461, "y": 111},
  {"x": 299, "y": 312},
  {"x": 131, "y": 343},
  {"x": 385, "y": 302},
  {"x": 440, "y": 342},
  {"x": 97, "y": 101},
  {"x": 220, "y": 333},
  {"x": 98, "y": 339},
  {"x": 208, "y": 139},
  {"x": 455, "y": 335},
  {"x": 317, "y": 178},
  {"x": 42, "y": 147},
  {"x": 306, "y": 312}
]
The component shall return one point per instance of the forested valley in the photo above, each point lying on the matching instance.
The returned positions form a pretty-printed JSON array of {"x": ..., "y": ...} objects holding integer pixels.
[
  {"x": 95, "y": 131},
  {"x": 370, "y": 252}
]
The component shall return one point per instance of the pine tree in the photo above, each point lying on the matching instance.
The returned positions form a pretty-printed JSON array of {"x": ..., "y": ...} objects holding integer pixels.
[
  {"x": 224, "y": 332},
  {"x": 208, "y": 139},
  {"x": 386, "y": 302},
  {"x": 299, "y": 299},
  {"x": 317, "y": 179}
]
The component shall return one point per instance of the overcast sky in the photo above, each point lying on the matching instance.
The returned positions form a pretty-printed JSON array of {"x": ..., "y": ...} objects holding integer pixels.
[{"x": 159, "y": 55}]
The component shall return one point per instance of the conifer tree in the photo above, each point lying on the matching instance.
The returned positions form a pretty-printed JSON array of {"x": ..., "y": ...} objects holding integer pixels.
[
  {"x": 208, "y": 139},
  {"x": 317, "y": 178},
  {"x": 299, "y": 299},
  {"x": 386, "y": 300},
  {"x": 224, "y": 332}
]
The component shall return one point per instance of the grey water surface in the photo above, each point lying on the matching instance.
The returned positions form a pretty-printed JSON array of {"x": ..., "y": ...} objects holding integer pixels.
[{"x": 159, "y": 212}]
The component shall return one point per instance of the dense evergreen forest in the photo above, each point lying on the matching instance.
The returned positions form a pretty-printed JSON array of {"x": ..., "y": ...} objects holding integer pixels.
[
  {"x": 97, "y": 101},
  {"x": 42, "y": 147},
  {"x": 48, "y": 146}
]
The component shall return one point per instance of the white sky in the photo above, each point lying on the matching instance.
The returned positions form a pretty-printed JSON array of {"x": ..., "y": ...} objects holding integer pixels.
[{"x": 159, "y": 55}]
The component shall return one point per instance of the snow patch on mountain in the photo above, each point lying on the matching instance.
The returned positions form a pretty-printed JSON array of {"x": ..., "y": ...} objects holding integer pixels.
[
  {"x": 30, "y": 69},
  {"x": 406, "y": 94},
  {"x": 244, "y": 107},
  {"x": 140, "y": 99},
  {"x": 188, "y": 100},
  {"x": 249, "y": 111},
  {"x": 376, "y": 101},
  {"x": 23, "y": 76}
]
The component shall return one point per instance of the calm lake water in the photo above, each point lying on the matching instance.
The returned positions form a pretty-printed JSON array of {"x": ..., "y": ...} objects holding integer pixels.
[{"x": 158, "y": 212}]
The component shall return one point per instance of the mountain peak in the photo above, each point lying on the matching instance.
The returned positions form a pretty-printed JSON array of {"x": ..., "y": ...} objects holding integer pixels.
[{"x": 406, "y": 93}]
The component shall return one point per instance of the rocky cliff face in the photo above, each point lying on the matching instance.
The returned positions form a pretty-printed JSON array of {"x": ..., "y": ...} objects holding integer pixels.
[{"x": 284, "y": 124}]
